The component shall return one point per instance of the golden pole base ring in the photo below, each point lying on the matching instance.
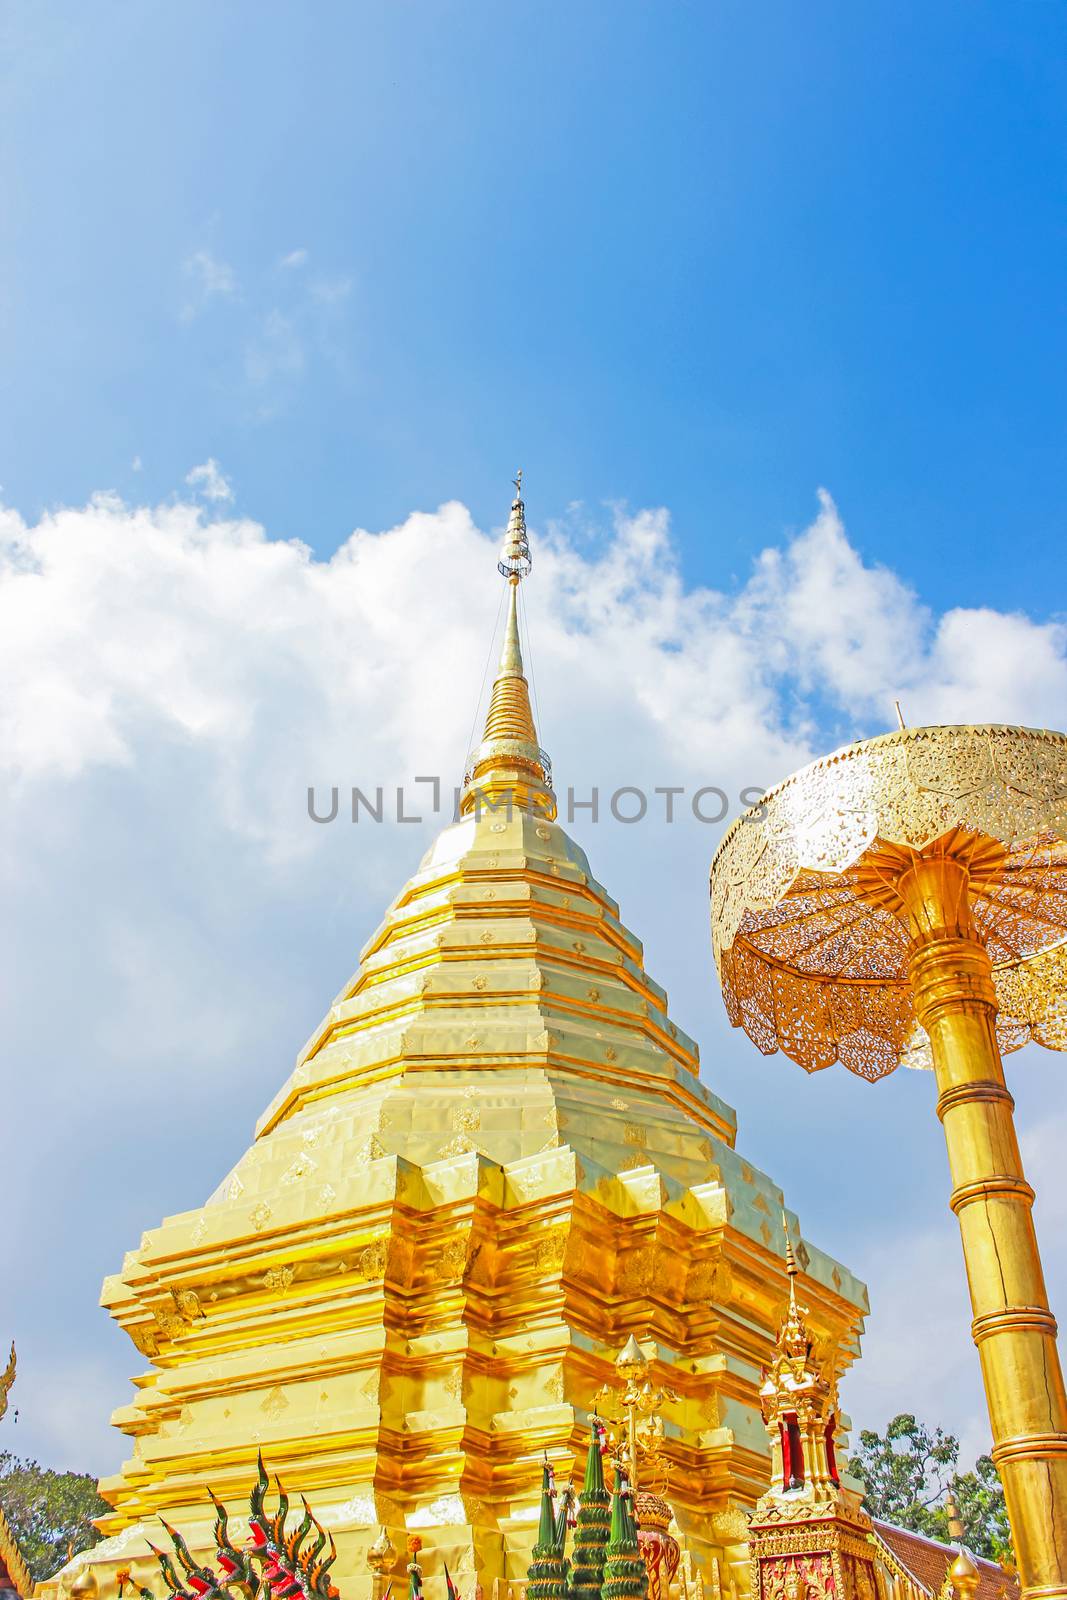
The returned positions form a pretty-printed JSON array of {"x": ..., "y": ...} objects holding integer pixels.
[
  {"x": 1029, "y": 1446},
  {"x": 988, "y": 1189},
  {"x": 963, "y": 1094},
  {"x": 1036, "y": 1319}
]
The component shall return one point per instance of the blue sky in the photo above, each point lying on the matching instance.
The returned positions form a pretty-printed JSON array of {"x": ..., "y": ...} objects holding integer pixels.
[
  {"x": 704, "y": 255},
  {"x": 277, "y": 272}
]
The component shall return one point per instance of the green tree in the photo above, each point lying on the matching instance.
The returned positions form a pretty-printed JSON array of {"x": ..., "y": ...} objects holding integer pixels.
[
  {"x": 980, "y": 1497},
  {"x": 908, "y": 1471},
  {"x": 50, "y": 1513}
]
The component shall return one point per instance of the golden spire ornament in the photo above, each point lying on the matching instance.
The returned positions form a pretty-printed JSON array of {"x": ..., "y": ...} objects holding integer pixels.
[
  {"x": 906, "y": 899},
  {"x": 793, "y": 1339},
  {"x": 509, "y": 770},
  {"x": 964, "y": 1576}
]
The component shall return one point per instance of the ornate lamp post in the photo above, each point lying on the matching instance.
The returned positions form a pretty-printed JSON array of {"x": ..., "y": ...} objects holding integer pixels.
[
  {"x": 638, "y": 1454},
  {"x": 906, "y": 899}
]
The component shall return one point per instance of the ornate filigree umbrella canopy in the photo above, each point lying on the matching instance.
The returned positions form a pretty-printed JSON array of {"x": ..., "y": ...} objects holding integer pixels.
[
  {"x": 810, "y": 942},
  {"x": 905, "y": 899}
]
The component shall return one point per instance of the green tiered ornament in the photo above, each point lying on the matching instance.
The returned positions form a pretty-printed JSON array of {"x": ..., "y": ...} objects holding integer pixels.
[
  {"x": 625, "y": 1577},
  {"x": 547, "y": 1576},
  {"x": 594, "y": 1525}
]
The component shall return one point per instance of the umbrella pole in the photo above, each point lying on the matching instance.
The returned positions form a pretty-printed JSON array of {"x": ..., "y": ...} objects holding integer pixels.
[{"x": 1013, "y": 1328}]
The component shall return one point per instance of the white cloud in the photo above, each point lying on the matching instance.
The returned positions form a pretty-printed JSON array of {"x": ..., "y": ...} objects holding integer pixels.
[
  {"x": 982, "y": 658},
  {"x": 834, "y": 622},
  {"x": 275, "y": 354},
  {"x": 136, "y": 464},
  {"x": 208, "y": 480},
  {"x": 279, "y": 323},
  {"x": 330, "y": 291},
  {"x": 208, "y": 279},
  {"x": 175, "y": 679}
]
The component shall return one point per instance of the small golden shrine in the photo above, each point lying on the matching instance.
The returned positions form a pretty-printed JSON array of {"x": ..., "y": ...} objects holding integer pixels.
[
  {"x": 494, "y": 1161},
  {"x": 809, "y": 1538}
]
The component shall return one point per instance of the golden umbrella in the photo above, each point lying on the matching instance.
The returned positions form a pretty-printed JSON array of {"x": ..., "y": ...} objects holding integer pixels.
[{"x": 906, "y": 899}]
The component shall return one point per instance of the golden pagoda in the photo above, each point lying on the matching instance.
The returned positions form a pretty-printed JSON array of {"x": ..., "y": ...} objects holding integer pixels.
[{"x": 494, "y": 1162}]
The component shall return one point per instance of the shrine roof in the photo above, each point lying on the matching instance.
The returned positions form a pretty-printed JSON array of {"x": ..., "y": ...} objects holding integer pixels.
[{"x": 928, "y": 1562}]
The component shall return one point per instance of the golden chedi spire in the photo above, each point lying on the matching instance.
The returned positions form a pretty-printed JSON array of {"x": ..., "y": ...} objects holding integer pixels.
[
  {"x": 509, "y": 769},
  {"x": 793, "y": 1339}
]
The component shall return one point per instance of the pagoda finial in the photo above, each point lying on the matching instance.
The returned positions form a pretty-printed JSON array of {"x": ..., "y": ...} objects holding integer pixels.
[
  {"x": 964, "y": 1575},
  {"x": 515, "y": 562},
  {"x": 793, "y": 1338},
  {"x": 508, "y": 768}
]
